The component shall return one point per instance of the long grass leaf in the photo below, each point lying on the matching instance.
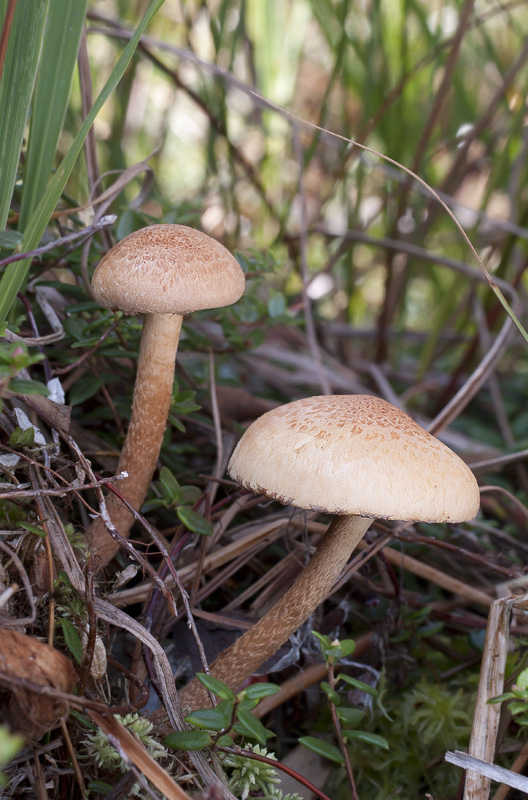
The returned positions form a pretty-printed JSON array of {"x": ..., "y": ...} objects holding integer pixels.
[
  {"x": 16, "y": 87},
  {"x": 15, "y": 273},
  {"x": 52, "y": 90}
]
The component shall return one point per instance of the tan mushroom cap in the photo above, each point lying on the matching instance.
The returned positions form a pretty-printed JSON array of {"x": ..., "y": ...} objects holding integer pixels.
[
  {"x": 354, "y": 455},
  {"x": 167, "y": 269}
]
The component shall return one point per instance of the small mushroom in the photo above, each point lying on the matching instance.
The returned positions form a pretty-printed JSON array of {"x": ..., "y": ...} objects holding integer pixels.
[
  {"x": 161, "y": 272},
  {"x": 357, "y": 457}
]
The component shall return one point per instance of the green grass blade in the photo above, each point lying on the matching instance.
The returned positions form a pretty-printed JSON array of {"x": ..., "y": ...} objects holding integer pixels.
[
  {"x": 52, "y": 90},
  {"x": 15, "y": 273},
  {"x": 16, "y": 87}
]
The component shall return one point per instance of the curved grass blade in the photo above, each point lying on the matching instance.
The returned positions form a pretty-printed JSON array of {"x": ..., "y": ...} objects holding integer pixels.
[
  {"x": 16, "y": 88},
  {"x": 58, "y": 59},
  {"x": 15, "y": 274}
]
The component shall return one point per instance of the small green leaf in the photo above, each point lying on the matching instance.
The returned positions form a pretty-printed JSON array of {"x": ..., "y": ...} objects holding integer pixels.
[
  {"x": 193, "y": 521},
  {"x": 253, "y": 726},
  {"x": 33, "y": 529},
  {"x": 358, "y": 684},
  {"x": 517, "y": 707},
  {"x": 189, "y": 495},
  {"x": 350, "y": 716},
  {"x": 347, "y": 646},
  {"x": 500, "y": 697},
  {"x": 225, "y": 741},
  {"x": 187, "y": 740},
  {"x": 210, "y": 719},
  {"x": 370, "y": 738},
  {"x": 332, "y": 695},
  {"x": 323, "y": 748},
  {"x": 100, "y": 787},
  {"x": 430, "y": 629},
  {"x": 20, "y": 386},
  {"x": 10, "y": 744},
  {"x": 324, "y": 641},
  {"x": 83, "y": 389},
  {"x": 10, "y": 239},
  {"x": 72, "y": 639},
  {"x": 22, "y": 438},
  {"x": 170, "y": 484},
  {"x": 216, "y": 686},
  {"x": 259, "y": 690},
  {"x": 277, "y": 305},
  {"x": 522, "y": 679}
]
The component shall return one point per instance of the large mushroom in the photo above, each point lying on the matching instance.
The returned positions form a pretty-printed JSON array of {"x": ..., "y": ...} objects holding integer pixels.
[
  {"x": 357, "y": 457},
  {"x": 161, "y": 272}
]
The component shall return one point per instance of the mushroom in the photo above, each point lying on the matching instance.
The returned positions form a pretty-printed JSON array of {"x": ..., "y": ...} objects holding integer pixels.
[
  {"x": 357, "y": 457},
  {"x": 161, "y": 272}
]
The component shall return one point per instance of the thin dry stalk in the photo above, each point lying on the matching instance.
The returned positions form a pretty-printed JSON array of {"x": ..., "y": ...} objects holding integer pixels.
[
  {"x": 486, "y": 717},
  {"x": 213, "y": 561},
  {"x": 130, "y": 748}
]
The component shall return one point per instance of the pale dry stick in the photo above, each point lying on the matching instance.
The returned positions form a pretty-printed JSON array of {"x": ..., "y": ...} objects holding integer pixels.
[
  {"x": 219, "y": 468},
  {"x": 32, "y": 341},
  {"x": 486, "y": 717},
  {"x": 515, "y": 500},
  {"x": 498, "y": 462},
  {"x": 224, "y": 555},
  {"x": 62, "y": 492},
  {"x": 473, "y": 383},
  {"x": 270, "y": 577},
  {"x": 228, "y": 516},
  {"x": 487, "y": 771},
  {"x": 437, "y": 577},
  {"x": 220, "y": 577},
  {"x": 518, "y": 765},
  {"x": 129, "y": 747},
  {"x": 499, "y": 410},
  {"x": 73, "y": 758},
  {"x": 104, "y": 222}
]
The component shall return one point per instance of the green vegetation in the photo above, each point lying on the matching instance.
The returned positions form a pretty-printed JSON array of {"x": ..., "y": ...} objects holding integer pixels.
[{"x": 290, "y": 131}]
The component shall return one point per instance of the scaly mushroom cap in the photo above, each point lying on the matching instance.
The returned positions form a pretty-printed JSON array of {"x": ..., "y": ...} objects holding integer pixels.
[
  {"x": 354, "y": 455},
  {"x": 167, "y": 269}
]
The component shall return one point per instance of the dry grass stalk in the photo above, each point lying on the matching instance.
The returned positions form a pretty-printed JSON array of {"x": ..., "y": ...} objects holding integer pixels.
[
  {"x": 487, "y": 771},
  {"x": 417, "y": 567},
  {"x": 131, "y": 749},
  {"x": 486, "y": 717},
  {"x": 213, "y": 561}
]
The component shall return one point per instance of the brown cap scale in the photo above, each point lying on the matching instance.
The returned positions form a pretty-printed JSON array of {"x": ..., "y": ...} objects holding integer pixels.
[
  {"x": 354, "y": 456},
  {"x": 161, "y": 272}
]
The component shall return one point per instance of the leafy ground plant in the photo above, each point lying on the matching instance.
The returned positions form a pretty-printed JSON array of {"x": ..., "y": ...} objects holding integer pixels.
[{"x": 240, "y": 119}]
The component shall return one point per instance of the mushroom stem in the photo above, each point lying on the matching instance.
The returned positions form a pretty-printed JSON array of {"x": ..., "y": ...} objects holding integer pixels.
[
  {"x": 263, "y": 640},
  {"x": 150, "y": 409}
]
